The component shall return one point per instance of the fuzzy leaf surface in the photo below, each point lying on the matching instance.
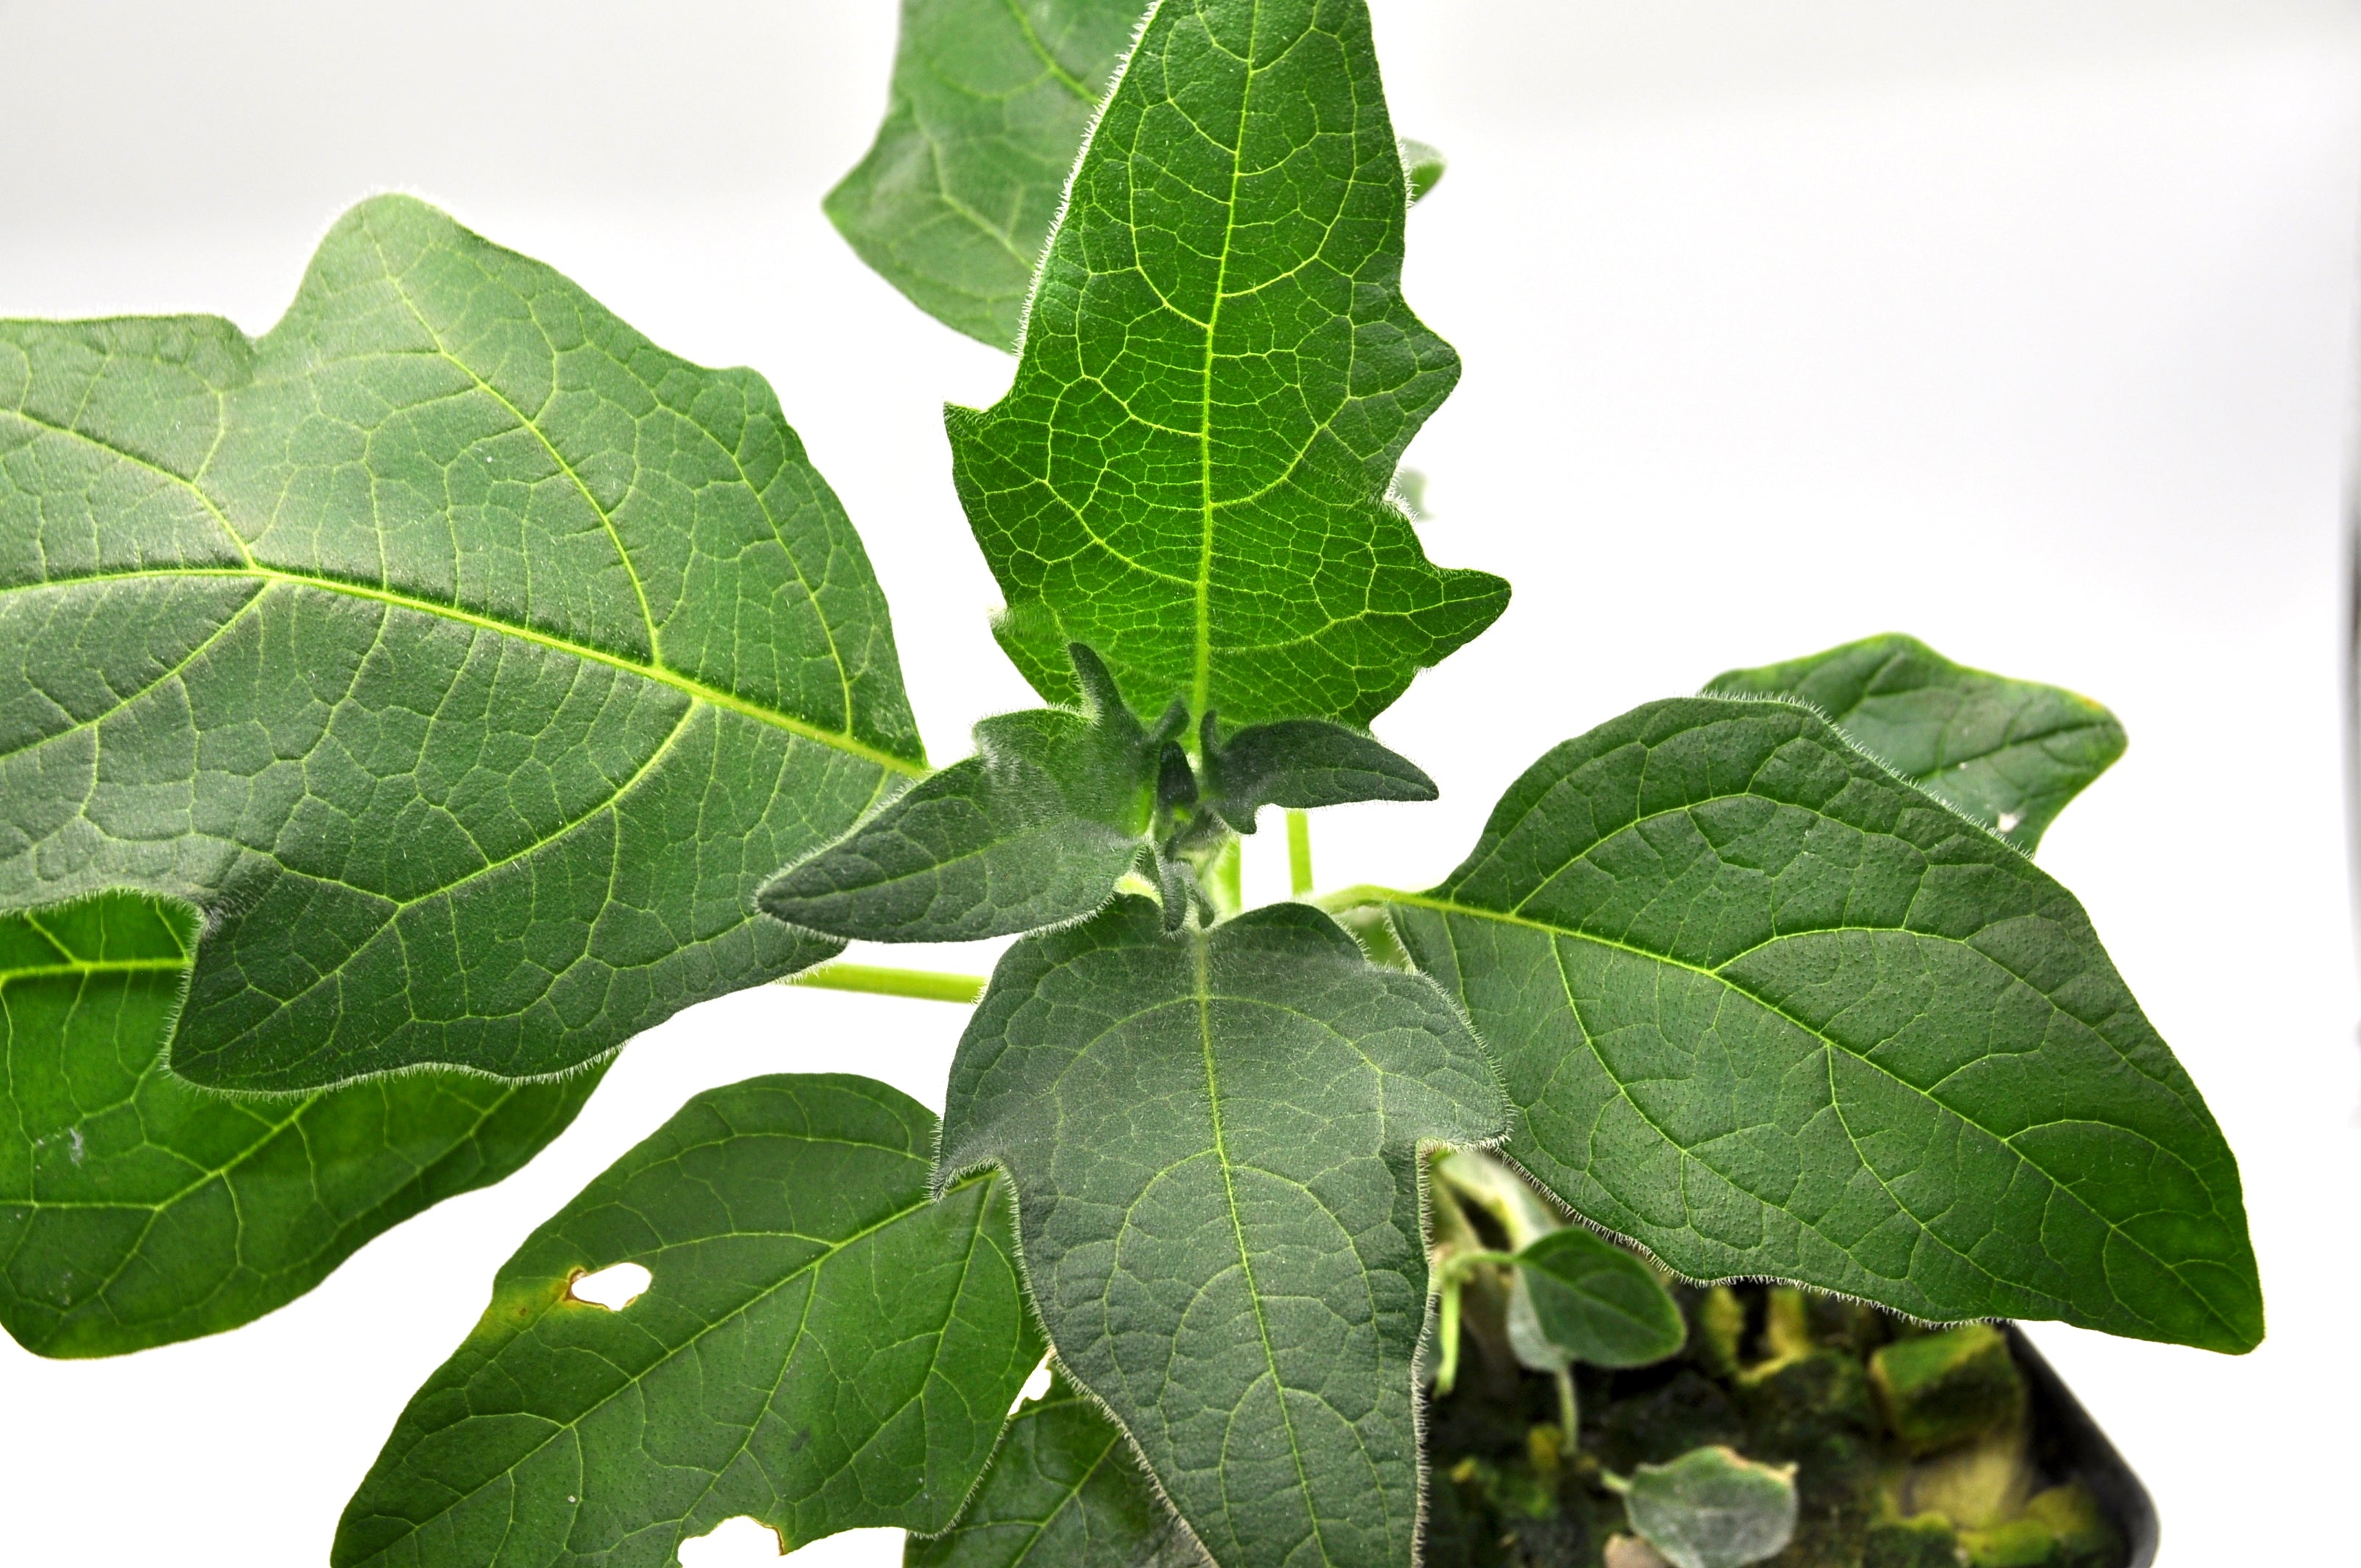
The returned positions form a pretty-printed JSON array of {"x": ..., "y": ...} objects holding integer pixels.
[
  {"x": 821, "y": 1345},
  {"x": 1033, "y": 829},
  {"x": 1598, "y": 1302},
  {"x": 465, "y": 658},
  {"x": 2009, "y": 754},
  {"x": 1214, "y": 1141},
  {"x": 135, "y": 1209},
  {"x": 1064, "y": 1489},
  {"x": 1218, "y": 377},
  {"x": 1302, "y": 763},
  {"x": 1768, "y": 1010},
  {"x": 989, "y": 105}
]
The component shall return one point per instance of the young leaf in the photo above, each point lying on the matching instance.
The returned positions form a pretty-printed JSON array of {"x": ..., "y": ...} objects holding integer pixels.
[
  {"x": 820, "y": 1344},
  {"x": 989, "y": 102},
  {"x": 1713, "y": 1509},
  {"x": 2009, "y": 754},
  {"x": 1033, "y": 829},
  {"x": 1598, "y": 1302},
  {"x": 1769, "y": 1010},
  {"x": 136, "y": 1210},
  {"x": 1064, "y": 1489},
  {"x": 1214, "y": 1141},
  {"x": 466, "y": 659},
  {"x": 1301, "y": 763},
  {"x": 1422, "y": 166},
  {"x": 1218, "y": 377}
]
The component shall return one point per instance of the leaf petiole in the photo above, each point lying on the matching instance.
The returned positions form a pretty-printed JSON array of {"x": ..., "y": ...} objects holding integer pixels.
[
  {"x": 882, "y": 980},
  {"x": 1298, "y": 853}
]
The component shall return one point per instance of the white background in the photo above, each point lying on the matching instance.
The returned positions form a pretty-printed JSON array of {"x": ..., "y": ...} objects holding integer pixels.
[{"x": 2024, "y": 325}]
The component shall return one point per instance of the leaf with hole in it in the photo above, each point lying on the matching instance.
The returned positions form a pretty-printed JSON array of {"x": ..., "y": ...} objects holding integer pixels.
[
  {"x": 1598, "y": 1301},
  {"x": 1769, "y": 1010},
  {"x": 2009, "y": 754},
  {"x": 1033, "y": 829},
  {"x": 1218, "y": 377},
  {"x": 135, "y": 1209},
  {"x": 466, "y": 659},
  {"x": 1713, "y": 1509},
  {"x": 989, "y": 105},
  {"x": 1064, "y": 1489},
  {"x": 1214, "y": 1139},
  {"x": 821, "y": 1345}
]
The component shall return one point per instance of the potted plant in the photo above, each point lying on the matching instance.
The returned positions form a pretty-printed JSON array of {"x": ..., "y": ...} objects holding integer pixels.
[{"x": 419, "y": 700}]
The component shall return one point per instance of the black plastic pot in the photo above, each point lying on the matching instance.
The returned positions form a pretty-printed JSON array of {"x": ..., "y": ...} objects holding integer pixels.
[{"x": 2071, "y": 1443}]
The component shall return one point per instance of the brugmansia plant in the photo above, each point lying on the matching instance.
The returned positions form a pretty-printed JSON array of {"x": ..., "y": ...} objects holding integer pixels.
[{"x": 402, "y": 710}]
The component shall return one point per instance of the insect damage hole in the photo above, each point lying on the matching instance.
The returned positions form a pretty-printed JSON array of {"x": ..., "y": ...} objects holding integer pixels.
[
  {"x": 738, "y": 1542},
  {"x": 614, "y": 1288}
]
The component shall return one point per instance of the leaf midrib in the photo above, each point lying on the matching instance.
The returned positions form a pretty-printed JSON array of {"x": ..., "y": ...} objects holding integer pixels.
[
  {"x": 695, "y": 689},
  {"x": 1279, "y": 1390}
]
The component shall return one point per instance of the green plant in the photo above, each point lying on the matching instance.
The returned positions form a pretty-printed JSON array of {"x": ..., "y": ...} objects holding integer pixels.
[{"x": 407, "y": 706}]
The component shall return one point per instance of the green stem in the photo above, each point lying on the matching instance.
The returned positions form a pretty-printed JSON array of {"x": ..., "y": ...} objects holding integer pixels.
[
  {"x": 1569, "y": 1414},
  {"x": 1298, "y": 853},
  {"x": 879, "y": 980},
  {"x": 1226, "y": 881},
  {"x": 1447, "y": 1334}
]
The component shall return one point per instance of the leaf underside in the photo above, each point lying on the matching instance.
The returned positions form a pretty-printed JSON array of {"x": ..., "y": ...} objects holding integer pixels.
[
  {"x": 136, "y": 1210},
  {"x": 1768, "y": 1010},
  {"x": 821, "y": 1345},
  {"x": 2009, "y": 754},
  {"x": 990, "y": 100},
  {"x": 1214, "y": 1138},
  {"x": 1064, "y": 1489},
  {"x": 1190, "y": 472},
  {"x": 466, "y": 659}
]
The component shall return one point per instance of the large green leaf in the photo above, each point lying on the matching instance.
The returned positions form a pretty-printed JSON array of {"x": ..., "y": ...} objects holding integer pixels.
[
  {"x": 463, "y": 657},
  {"x": 1214, "y": 1140},
  {"x": 989, "y": 104},
  {"x": 2010, "y": 754},
  {"x": 1218, "y": 377},
  {"x": 1769, "y": 1010},
  {"x": 136, "y": 1210},
  {"x": 821, "y": 1346},
  {"x": 1064, "y": 1491}
]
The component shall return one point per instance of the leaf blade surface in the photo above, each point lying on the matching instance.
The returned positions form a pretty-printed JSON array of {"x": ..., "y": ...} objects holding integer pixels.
[
  {"x": 2007, "y": 753},
  {"x": 989, "y": 102},
  {"x": 821, "y": 1345},
  {"x": 1219, "y": 375},
  {"x": 466, "y": 659},
  {"x": 137, "y": 1211},
  {"x": 1065, "y": 1487},
  {"x": 1598, "y": 1302},
  {"x": 1768, "y": 1010},
  {"x": 1214, "y": 1138}
]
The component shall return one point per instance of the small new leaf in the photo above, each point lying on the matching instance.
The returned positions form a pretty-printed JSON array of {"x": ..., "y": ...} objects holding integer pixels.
[
  {"x": 1190, "y": 472},
  {"x": 1033, "y": 829},
  {"x": 822, "y": 1344},
  {"x": 1713, "y": 1509},
  {"x": 464, "y": 658},
  {"x": 1768, "y": 1009},
  {"x": 135, "y": 1209},
  {"x": 1598, "y": 1302},
  {"x": 2009, "y": 754},
  {"x": 1422, "y": 166},
  {"x": 989, "y": 105},
  {"x": 1301, "y": 764},
  {"x": 1214, "y": 1139},
  {"x": 1065, "y": 1489}
]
